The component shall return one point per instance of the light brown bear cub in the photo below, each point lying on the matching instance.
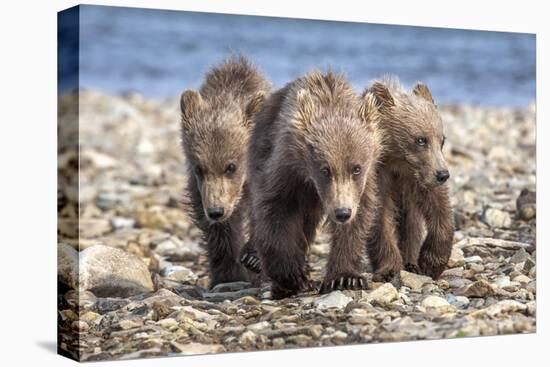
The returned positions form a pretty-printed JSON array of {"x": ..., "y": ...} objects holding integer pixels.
[
  {"x": 414, "y": 229},
  {"x": 216, "y": 125},
  {"x": 312, "y": 155}
]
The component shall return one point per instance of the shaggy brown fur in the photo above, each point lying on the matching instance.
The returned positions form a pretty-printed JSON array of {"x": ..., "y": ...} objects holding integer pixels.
[
  {"x": 411, "y": 177},
  {"x": 313, "y": 153},
  {"x": 216, "y": 126}
]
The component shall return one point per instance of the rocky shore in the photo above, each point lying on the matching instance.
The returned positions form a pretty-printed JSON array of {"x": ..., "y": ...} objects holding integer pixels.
[{"x": 142, "y": 288}]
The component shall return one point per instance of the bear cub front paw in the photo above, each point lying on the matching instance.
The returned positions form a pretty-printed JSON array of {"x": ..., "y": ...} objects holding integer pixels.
[{"x": 431, "y": 265}]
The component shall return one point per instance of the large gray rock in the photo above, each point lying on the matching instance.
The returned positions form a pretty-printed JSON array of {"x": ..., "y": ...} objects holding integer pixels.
[{"x": 103, "y": 270}]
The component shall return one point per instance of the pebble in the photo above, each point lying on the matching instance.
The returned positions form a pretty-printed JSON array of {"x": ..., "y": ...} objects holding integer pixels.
[
  {"x": 174, "y": 249},
  {"x": 480, "y": 288},
  {"x": 335, "y": 299},
  {"x": 259, "y": 326},
  {"x": 98, "y": 159},
  {"x": 247, "y": 338},
  {"x": 519, "y": 257},
  {"x": 91, "y": 228},
  {"x": 528, "y": 265},
  {"x": 180, "y": 274},
  {"x": 523, "y": 279},
  {"x": 382, "y": 295},
  {"x": 130, "y": 324},
  {"x": 339, "y": 336},
  {"x": 315, "y": 331},
  {"x": 80, "y": 325},
  {"x": 434, "y": 302},
  {"x": 168, "y": 323},
  {"x": 478, "y": 268},
  {"x": 230, "y": 287},
  {"x": 496, "y": 218},
  {"x": 473, "y": 259},
  {"x": 456, "y": 282},
  {"x": 458, "y": 301},
  {"x": 503, "y": 281},
  {"x": 527, "y": 212},
  {"x": 198, "y": 348},
  {"x": 414, "y": 281},
  {"x": 456, "y": 259},
  {"x": 121, "y": 222}
]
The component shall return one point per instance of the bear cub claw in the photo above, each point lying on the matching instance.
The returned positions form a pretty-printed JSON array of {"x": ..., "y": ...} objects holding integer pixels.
[
  {"x": 350, "y": 282},
  {"x": 251, "y": 261}
]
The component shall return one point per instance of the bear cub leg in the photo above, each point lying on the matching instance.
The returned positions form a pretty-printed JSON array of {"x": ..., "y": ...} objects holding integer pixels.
[
  {"x": 411, "y": 236},
  {"x": 345, "y": 259},
  {"x": 436, "y": 249},
  {"x": 223, "y": 241},
  {"x": 382, "y": 245}
]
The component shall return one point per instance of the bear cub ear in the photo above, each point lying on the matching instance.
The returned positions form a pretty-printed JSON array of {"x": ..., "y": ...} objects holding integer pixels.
[
  {"x": 304, "y": 106},
  {"x": 382, "y": 95},
  {"x": 190, "y": 103},
  {"x": 421, "y": 90},
  {"x": 253, "y": 107},
  {"x": 368, "y": 109}
]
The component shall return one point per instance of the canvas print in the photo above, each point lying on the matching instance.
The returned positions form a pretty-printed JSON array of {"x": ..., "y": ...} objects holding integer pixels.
[{"x": 232, "y": 183}]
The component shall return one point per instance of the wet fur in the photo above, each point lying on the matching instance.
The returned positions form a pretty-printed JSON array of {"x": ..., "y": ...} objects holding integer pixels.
[
  {"x": 310, "y": 118},
  {"x": 216, "y": 126},
  {"x": 414, "y": 229}
]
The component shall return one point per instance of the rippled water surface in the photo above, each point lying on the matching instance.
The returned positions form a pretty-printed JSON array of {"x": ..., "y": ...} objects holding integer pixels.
[{"x": 160, "y": 53}]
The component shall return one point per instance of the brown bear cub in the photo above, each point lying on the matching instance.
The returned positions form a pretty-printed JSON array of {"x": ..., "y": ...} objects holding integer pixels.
[
  {"x": 414, "y": 229},
  {"x": 313, "y": 155},
  {"x": 216, "y": 126}
]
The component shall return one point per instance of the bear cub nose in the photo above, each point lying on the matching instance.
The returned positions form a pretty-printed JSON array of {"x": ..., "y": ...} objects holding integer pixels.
[
  {"x": 214, "y": 213},
  {"x": 342, "y": 214},
  {"x": 442, "y": 176}
]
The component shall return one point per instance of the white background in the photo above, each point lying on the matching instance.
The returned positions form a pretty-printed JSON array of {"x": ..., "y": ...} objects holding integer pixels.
[{"x": 28, "y": 181}]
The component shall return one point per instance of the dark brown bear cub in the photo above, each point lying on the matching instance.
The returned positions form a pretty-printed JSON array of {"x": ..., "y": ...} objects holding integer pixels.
[
  {"x": 216, "y": 126},
  {"x": 415, "y": 227},
  {"x": 312, "y": 154}
]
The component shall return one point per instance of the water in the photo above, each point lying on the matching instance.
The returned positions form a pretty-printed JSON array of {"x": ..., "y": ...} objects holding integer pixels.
[{"x": 160, "y": 53}]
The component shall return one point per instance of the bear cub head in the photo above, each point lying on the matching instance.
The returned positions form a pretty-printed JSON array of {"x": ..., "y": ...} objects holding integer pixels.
[
  {"x": 215, "y": 135},
  {"x": 413, "y": 132},
  {"x": 338, "y": 141}
]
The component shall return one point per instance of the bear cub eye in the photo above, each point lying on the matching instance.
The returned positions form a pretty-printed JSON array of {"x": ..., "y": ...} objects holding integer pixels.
[
  {"x": 230, "y": 169},
  {"x": 421, "y": 141},
  {"x": 356, "y": 170},
  {"x": 325, "y": 171}
]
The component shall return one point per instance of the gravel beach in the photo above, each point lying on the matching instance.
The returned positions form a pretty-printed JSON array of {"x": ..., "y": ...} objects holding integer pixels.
[{"x": 142, "y": 272}]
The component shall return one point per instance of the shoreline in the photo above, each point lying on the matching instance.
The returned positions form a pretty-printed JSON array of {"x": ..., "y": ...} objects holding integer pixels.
[{"x": 132, "y": 176}]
